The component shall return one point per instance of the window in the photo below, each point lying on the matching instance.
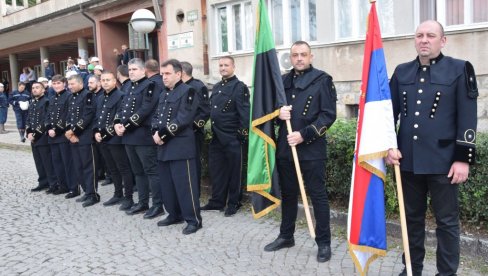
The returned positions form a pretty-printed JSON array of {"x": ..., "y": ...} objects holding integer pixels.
[
  {"x": 352, "y": 111},
  {"x": 297, "y": 17},
  {"x": 351, "y": 18},
  {"x": 453, "y": 12},
  {"x": 234, "y": 26}
]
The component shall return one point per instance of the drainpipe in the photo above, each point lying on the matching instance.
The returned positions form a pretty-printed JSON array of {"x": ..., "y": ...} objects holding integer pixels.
[
  {"x": 94, "y": 29},
  {"x": 206, "y": 70}
]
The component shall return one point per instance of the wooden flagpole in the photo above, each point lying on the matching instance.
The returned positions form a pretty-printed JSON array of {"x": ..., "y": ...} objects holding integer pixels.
[
  {"x": 403, "y": 222},
  {"x": 300, "y": 184}
]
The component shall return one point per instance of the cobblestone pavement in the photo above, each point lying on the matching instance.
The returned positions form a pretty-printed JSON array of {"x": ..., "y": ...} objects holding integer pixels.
[{"x": 48, "y": 235}]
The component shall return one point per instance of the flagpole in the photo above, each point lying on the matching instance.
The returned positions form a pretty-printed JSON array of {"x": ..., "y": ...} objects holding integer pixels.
[
  {"x": 401, "y": 206},
  {"x": 300, "y": 184}
]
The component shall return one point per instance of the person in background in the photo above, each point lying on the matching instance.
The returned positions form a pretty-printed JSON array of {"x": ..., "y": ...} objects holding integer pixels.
[
  {"x": 3, "y": 108},
  {"x": 123, "y": 78},
  {"x": 20, "y": 100},
  {"x": 48, "y": 70}
]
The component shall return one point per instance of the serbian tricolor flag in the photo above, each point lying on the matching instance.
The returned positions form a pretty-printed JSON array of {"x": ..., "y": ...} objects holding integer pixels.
[
  {"x": 375, "y": 134},
  {"x": 267, "y": 96}
]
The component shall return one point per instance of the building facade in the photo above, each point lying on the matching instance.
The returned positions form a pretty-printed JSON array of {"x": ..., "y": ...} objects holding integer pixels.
[{"x": 201, "y": 31}]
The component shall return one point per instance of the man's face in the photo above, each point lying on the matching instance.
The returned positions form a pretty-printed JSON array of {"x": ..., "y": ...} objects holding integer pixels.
[
  {"x": 37, "y": 90},
  {"x": 45, "y": 84},
  {"x": 108, "y": 82},
  {"x": 170, "y": 77},
  {"x": 429, "y": 40},
  {"x": 75, "y": 86},
  {"x": 58, "y": 86},
  {"x": 301, "y": 57},
  {"x": 21, "y": 88},
  {"x": 2, "y": 88},
  {"x": 226, "y": 68},
  {"x": 46, "y": 64},
  {"x": 92, "y": 84},
  {"x": 136, "y": 73}
]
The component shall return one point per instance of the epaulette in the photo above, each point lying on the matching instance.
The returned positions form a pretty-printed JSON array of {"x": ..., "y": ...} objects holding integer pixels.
[{"x": 471, "y": 84}]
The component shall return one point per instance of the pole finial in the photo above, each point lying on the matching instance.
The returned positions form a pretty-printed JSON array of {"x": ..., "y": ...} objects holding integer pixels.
[{"x": 372, "y": 1}]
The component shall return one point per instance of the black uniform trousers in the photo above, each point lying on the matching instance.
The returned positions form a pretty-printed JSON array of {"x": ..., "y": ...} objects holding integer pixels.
[
  {"x": 225, "y": 169},
  {"x": 44, "y": 166},
  {"x": 85, "y": 166},
  {"x": 180, "y": 191},
  {"x": 118, "y": 165},
  {"x": 63, "y": 167},
  {"x": 445, "y": 203},
  {"x": 314, "y": 180},
  {"x": 143, "y": 161},
  {"x": 99, "y": 160},
  {"x": 199, "y": 140}
]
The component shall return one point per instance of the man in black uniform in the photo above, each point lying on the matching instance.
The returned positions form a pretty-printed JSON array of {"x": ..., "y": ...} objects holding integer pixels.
[
  {"x": 434, "y": 97},
  {"x": 173, "y": 133},
  {"x": 123, "y": 78},
  {"x": 313, "y": 97},
  {"x": 229, "y": 112},
  {"x": 60, "y": 149},
  {"x": 36, "y": 133},
  {"x": 111, "y": 147},
  {"x": 133, "y": 122},
  {"x": 79, "y": 131},
  {"x": 202, "y": 115}
]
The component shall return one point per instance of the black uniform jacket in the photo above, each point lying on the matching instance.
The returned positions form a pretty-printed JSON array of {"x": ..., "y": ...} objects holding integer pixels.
[
  {"x": 436, "y": 106},
  {"x": 81, "y": 115},
  {"x": 35, "y": 124},
  {"x": 313, "y": 98},
  {"x": 107, "y": 107},
  {"x": 173, "y": 120},
  {"x": 229, "y": 110},
  {"x": 136, "y": 112},
  {"x": 203, "y": 112},
  {"x": 57, "y": 114}
]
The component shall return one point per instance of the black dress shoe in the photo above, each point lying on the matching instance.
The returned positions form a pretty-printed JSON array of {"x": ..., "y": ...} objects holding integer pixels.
[
  {"x": 126, "y": 204},
  {"x": 114, "y": 200},
  {"x": 39, "y": 188},
  {"x": 190, "y": 229},
  {"x": 279, "y": 243},
  {"x": 230, "y": 211},
  {"x": 50, "y": 190},
  {"x": 136, "y": 209},
  {"x": 107, "y": 181},
  {"x": 92, "y": 200},
  {"x": 211, "y": 207},
  {"x": 153, "y": 212},
  {"x": 169, "y": 221},
  {"x": 60, "y": 192},
  {"x": 323, "y": 254},
  {"x": 71, "y": 195},
  {"x": 83, "y": 198}
]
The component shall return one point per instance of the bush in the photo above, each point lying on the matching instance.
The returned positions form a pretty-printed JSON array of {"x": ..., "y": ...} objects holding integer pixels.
[{"x": 341, "y": 138}]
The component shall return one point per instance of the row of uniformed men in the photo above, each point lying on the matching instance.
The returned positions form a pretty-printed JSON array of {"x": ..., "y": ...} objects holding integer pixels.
[{"x": 150, "y": 131}]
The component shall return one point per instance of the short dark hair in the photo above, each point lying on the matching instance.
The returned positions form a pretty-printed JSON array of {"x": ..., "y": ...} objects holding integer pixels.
[
  {"x": 108, "y": 72},
  {"x": 173, "y": 62},
  {"x": 152, "y": 65},
  {"x": 58, "y": 77},
  {"x": 76, "y": 77},
  {"x": 21, "y": 83},
  {"x": 36, "y": 82},
  {"x": 123, "y": 70},
  {"x": 187, "y": 68},
  {"x": 96, "y": 77},
  {"x": 228, "y": 57},
  {"x": 301, "y": 42}
]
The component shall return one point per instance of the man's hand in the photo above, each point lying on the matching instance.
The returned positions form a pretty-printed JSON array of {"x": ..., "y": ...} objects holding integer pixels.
[
  {"x": 51, "y": 133},
  {"x": 394, "y": 156},
  {"x": 285, "y": 113},
  {"x": 30, "y": 137},
  {"x": 119, "y": 129},
  {"x": 69, "y": 134},
  {"x": 459, "y": 172},
  {"x": 157, "y": 139},
  {"x": 74, "y": 139},
  {"x": 98, "y": 137},
  {"x": 294, "y": 138}
]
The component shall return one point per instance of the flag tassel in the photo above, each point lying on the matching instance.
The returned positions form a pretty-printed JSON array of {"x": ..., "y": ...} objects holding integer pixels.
[
  {"x": 300, "y": 184},
  {"x": 401, "y": 206}
]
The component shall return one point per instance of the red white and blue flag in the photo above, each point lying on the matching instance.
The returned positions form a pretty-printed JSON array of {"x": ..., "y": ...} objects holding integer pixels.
[{"x": 375, "y": 135}]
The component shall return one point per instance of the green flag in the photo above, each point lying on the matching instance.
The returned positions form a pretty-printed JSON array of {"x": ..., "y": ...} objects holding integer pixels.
[{"x": 267, "y": 96}]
